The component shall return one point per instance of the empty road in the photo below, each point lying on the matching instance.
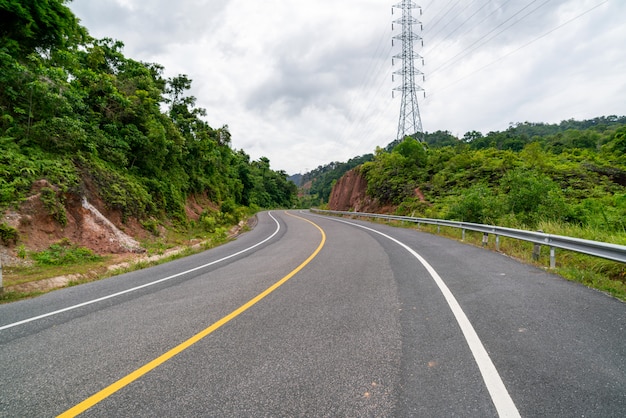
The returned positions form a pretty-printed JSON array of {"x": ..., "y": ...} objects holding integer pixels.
[{"x": 317, "y": 316}]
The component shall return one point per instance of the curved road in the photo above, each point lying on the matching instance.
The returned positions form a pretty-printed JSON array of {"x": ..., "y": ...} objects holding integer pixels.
[{"x": 315, "y": 316}]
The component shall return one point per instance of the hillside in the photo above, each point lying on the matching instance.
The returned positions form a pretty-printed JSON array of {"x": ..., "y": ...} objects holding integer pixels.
[
  {"x": 572, "y": 172},
  {"x": 564, "y": 179},
  {"x": 101, "y": 151},
  {"x": 316, "y": 186}
]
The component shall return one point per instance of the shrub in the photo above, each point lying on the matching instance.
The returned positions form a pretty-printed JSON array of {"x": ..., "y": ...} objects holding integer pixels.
[
  {"x": 53, "y": 201},
  {"x": 8, "y": 234},
  {"x": 122, "y": 191},
  {"x": 532, "y": 196},
  {"x": 64, "y": 253},
  {"x": 208, "y": 222},
  {"x": 476, "y": 204},
  {"x": 151, "y": 225}
]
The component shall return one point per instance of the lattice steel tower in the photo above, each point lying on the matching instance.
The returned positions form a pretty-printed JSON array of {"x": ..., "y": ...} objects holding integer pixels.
[{"x": 410, "y": 122}]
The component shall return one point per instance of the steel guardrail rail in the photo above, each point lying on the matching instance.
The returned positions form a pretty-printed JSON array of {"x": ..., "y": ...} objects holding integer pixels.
[{"x": 605, "y": 250}]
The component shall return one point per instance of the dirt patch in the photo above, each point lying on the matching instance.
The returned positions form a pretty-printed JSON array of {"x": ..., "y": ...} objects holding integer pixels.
[
  {"x": 120, "y": 262},
  {"x": 418, "y": 193},
  {"x": 86, "y": 221},
  {"x": 350, "y": 194},
  {"x": 196, "y": 205}
]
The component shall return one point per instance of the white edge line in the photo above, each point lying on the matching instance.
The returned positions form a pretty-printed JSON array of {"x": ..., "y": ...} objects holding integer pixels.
[
  {"x": 499, "y": 395},
  {"x": 89, "y": 302}
]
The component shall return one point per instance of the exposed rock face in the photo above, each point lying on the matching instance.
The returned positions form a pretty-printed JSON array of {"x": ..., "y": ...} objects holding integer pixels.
[
  {"x": 86, "y": 221},
  {"x": 88, "y": 224},
  {"x": 96, "y": 224},
  {"x": 349, "y": 193}
]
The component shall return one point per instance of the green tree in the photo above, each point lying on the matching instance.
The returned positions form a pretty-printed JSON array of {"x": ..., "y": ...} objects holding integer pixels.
[
  {"x": 532, "y": 196},
  {"x": 413, "y": 151},
  {"x": 30, "y": 25},
  {"x": 390, "y": 177},
  {"x": 476, "y": 204}
]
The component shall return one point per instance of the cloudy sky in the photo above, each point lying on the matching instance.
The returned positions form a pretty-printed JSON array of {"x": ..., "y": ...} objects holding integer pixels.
[{"x": 307, "y": 83}]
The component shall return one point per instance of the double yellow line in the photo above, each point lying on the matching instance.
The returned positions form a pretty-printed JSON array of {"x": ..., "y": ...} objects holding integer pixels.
[{"x": 111, "y": 389}]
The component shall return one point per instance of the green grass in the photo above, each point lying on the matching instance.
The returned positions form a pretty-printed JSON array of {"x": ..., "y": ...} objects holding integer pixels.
[
  {"x": 64, "y": 253},
  {"x": 10, "y": 296},
  {"x": 597, "y": 273},
  {"x": 36, "y": 272},
  {"x": 594, "y": 272}
]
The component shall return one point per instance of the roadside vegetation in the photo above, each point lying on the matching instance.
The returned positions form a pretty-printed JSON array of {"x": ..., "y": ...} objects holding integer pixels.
[
  {"x": 566, "y": 179},
  {"x": 90, "y": 121},
  {"x": 76, "y": 265},
  {"x": 75, "y": 109}
]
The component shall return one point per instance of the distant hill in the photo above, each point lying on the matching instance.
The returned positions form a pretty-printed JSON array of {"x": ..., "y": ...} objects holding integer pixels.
[{"x": 296, "y": 179}]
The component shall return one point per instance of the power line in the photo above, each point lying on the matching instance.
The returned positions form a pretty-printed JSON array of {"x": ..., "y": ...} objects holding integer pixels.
[
  {"x": 472, "y": 46},
  {"x": 434, "y": 47},
  {"x": 436, "y": 22},
  {"x": 436, "y": 17},
  {"x": 379, "y": 57},
  {"x": 522, "y": 46}
]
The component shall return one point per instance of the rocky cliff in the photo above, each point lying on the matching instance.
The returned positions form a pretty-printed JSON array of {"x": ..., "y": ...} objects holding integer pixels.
[
  {"x": 349, "y": 194},
  {"x": 86, "y": 221}
]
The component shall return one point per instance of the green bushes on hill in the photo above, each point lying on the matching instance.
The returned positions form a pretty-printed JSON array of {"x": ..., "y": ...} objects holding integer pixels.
[{"x": 573, "y": 173}]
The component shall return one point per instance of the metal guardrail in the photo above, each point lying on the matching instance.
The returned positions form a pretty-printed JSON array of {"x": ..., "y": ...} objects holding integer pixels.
[{"x": 595, "y": 248}]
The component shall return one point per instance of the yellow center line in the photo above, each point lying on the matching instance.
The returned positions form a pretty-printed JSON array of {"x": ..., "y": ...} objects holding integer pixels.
[{"x": 114, "y": 387}]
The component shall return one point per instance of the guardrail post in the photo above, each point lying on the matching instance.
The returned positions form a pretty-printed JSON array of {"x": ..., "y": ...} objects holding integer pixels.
[
  {"x": 536, "y": 251},
  {"x": 438, "y": 228},
  {"x": 463, "y": 235},
  {"x": 552, "y": 257},
  {"x": 497, "y": 242}
]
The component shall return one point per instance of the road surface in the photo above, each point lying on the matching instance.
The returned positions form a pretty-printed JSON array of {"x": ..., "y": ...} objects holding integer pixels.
[{"x": 317, "y": 316}]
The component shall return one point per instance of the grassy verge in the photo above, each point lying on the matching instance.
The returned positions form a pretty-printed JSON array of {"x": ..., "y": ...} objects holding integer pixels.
[
  {"x": 597, "y": 273},
  {"x": 80, "y": 265}
]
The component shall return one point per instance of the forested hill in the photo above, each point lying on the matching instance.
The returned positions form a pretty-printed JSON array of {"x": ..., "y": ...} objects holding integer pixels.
[
  {"x": 600, "y": 139},
  {"x": 78, "y": 113},
  {"x": 572, "y": 173},
  {"x": 564, "y": 179}
]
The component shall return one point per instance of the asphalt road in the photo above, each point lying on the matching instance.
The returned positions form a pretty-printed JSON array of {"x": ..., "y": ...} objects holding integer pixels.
[{"x": 316, "y": 316}]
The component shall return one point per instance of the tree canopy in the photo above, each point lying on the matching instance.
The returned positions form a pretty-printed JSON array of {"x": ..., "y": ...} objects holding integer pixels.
[{"x": 572, "y": 172}]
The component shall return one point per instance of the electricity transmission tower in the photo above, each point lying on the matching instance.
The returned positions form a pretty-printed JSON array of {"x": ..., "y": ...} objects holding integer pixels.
[{"x": 410, "y": 122}]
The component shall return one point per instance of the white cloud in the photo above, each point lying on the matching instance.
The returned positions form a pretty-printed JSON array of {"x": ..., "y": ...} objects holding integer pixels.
[{"x": 305, "y": 84}]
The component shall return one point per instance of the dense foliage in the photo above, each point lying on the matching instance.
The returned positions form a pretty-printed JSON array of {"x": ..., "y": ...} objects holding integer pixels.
[
  {"x": 573, "y": 172},
  {"x": 75, "y": 111}
]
